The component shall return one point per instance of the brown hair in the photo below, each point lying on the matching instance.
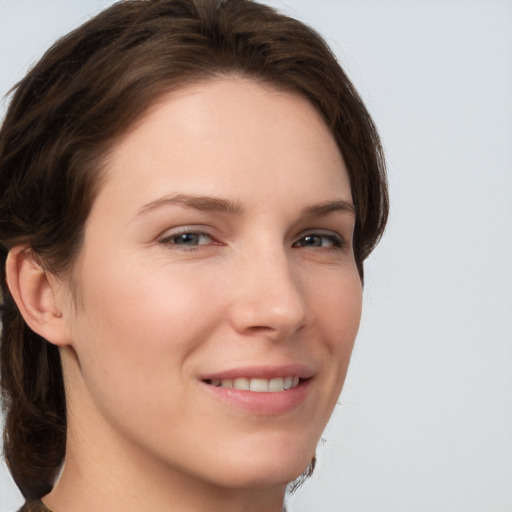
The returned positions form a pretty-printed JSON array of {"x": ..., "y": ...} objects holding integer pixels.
[{"x": 65, "y": 116}]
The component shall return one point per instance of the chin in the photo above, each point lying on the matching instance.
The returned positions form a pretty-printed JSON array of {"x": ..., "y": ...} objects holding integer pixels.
[{"x": 260, "y": 469}]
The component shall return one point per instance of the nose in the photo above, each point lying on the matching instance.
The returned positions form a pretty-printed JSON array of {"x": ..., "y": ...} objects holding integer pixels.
[{"x": 269, "y": 297}]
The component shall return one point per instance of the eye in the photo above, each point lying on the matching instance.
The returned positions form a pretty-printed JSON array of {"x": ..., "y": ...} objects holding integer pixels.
[
  {"x": 329, "y": 240},
  {"x": 187, "y": 239}
]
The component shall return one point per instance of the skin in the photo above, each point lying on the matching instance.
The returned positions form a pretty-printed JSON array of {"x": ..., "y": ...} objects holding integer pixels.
[{"x": 266, "y": 285}]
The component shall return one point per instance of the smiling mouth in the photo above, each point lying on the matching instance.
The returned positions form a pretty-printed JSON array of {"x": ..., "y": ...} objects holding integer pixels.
[{"x": 258, "y": 385}]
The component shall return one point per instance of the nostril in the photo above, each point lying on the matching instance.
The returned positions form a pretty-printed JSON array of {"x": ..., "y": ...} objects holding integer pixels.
[{"x": 259, "y": 328}]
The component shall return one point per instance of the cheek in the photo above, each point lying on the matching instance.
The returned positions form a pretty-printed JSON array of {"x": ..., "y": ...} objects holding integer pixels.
[
  {"x": 338, "y": 313},
  {"x": 136, "y": 314},
  {"x": 136, "y": 336},
  {"x": 337, "y": 308}
]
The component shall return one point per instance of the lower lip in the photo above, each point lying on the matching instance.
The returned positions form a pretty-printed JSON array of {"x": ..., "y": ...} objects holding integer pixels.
[{"x": 264, "y": 403}]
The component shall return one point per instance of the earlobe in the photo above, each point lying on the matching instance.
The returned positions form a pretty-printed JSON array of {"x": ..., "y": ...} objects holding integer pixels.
[{"x": 37, "y": 295}]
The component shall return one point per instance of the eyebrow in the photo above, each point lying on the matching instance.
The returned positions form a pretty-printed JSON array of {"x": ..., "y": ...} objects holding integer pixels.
[
  {"x": 216, "y": 204},
  {"x": 339, "y": 205},
  {"x": 202, "y": 203}
]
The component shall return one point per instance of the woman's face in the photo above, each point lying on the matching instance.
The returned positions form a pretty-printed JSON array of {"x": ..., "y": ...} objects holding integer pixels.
[{"x": 217, "y": 257}]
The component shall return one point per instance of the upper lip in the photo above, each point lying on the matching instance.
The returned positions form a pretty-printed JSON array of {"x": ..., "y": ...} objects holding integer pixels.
[{"x": 263, "y": 372}]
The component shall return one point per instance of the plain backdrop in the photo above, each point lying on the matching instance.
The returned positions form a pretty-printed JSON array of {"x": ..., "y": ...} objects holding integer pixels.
[{"x": 424, "y": 423}]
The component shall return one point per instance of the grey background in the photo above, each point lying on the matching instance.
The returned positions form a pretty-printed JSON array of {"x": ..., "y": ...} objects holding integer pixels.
[{"x": 425, "y": 420}]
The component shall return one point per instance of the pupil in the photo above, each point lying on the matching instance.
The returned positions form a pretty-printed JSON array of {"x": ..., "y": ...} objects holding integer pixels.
[
  {"x": 312, "y": 241},
  {"x": 188, "y": 238}
]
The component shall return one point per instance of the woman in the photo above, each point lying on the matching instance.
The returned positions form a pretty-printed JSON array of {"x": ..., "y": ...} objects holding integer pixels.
[{"x": 189, "y": 189}]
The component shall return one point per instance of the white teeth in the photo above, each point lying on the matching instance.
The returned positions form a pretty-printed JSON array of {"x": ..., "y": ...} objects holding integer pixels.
[
  {"x": 258, "y": 385},
  {"x": 276, "y": 384},
  {"x": 242, "y": 384},
  {"x": 227, "y": 383}
]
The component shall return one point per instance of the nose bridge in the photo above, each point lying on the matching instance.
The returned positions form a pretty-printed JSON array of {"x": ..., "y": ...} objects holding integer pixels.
[{"x": 270, "y": 296}]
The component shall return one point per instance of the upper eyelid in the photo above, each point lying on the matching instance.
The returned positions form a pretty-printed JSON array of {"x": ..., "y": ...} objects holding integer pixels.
[
  {"x": 179, "y": 230},
  {"x": 170, "y": 244},
  {"x": 320, "y": 232},
  {"x": 323, "y": 234},
  {"x": 167, "y": 236}
]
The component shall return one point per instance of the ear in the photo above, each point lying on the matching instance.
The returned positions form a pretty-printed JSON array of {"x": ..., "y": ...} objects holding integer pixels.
[{"x": 38, "y": 295}]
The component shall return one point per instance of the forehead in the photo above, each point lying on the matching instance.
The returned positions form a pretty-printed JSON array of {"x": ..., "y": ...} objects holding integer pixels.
[{"x": 227, "y": 136}]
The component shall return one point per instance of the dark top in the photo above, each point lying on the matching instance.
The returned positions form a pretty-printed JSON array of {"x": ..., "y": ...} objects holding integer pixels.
[{"x": 34, "y": 506}]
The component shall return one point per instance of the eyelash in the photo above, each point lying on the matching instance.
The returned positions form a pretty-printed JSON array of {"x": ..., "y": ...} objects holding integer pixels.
[
  {"x": 171, "y": 240},
  {"x": 335, "y": 241}
]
